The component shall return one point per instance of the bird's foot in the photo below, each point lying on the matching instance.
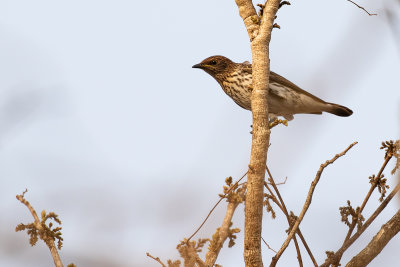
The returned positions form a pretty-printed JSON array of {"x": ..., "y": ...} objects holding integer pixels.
[{"x": 275, "y": 122}]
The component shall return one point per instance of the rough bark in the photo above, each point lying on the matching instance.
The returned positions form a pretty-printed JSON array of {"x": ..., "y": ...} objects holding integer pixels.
[{"x": 259, "y": 31}]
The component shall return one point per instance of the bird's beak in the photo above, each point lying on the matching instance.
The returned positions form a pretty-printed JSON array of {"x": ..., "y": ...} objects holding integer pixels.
[{"x": 198, "y": 66}]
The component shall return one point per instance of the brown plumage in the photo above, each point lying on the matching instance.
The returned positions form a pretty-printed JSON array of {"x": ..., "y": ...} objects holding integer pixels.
[{"x": 284, "y": 97}]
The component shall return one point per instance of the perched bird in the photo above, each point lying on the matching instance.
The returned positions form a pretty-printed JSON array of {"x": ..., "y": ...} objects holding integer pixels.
[{"x": 284, "y": 97}]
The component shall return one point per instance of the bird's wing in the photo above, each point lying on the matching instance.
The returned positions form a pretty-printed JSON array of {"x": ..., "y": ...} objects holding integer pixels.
[{"x": 273, "y": 77}]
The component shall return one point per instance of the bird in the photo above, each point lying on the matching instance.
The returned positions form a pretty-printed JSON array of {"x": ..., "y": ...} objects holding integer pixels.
[{"x": 284, "y": 97}]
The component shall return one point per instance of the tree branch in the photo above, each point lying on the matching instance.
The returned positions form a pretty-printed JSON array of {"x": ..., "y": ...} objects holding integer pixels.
[
  {"x": 371, "y": 190},
  {"x": 307, "y": 203},
  {"x": 282, "y": 206},
  {"x": 38, "y": 227},
  {"x": 380, "y": 240},
  {"x": 156, "y": 259},
  {"x": 268, "y": 246},
  {"x": 335, "y": 258},
  {"x": 224, "y": 231},
  {"x": 362, "y": 8}
]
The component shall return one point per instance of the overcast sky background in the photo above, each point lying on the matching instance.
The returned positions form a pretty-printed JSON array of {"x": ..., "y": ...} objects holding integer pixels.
[{"x": 105, "y": 122}]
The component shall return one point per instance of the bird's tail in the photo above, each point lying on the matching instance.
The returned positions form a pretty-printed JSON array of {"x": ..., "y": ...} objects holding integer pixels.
[{"x": 338, "y": 110}]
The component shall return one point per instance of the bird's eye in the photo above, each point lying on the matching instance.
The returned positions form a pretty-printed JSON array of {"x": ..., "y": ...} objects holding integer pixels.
[{"x": 213, "y": 62}]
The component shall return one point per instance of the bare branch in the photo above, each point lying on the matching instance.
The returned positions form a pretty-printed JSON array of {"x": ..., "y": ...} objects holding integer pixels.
[
  {"x": 268, "y": 245},
  {"x": 373, "y": 186},
  {"x": 281, "y": 183},
  {"x": 362, "y": 8},
  {"x": 282, "y": 206},
  {"x": 380, "y": 240},
  {"x": 156, "y": 259},
  {"x": 307, "y": 203},
  {"x": 273, "y": 197},
  {"x": 306, "y": 247},
  {"x": 22, "y": 199}
]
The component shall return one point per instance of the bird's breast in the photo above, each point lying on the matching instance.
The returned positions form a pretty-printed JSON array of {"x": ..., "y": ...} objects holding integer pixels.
[{"x": 239, "y": 89}]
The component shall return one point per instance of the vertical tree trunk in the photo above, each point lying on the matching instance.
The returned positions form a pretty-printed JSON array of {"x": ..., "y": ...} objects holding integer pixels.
[
  {"x": 259, "y": 149},
  {"x": 259, "y": 30}
]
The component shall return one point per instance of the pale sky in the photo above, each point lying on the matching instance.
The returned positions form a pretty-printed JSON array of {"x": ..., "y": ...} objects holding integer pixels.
[{"x": 105, "y": 122}]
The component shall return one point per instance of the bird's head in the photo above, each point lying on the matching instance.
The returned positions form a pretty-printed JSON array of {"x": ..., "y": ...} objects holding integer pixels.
[{"x": 216, "y": 66}]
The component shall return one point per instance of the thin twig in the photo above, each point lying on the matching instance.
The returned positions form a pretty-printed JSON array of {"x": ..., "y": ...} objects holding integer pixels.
[
  {"x": 216, "y": 204},
  {"x": 337, "y": 256},
  {"x": 273, "y": 197},
  {"x": 307, "y": 203},
  {"x": 285, "y": 211},
  {"x": 156, "y": 259},
  {"x": 268, "y": 245},
  {"x": 362, "y": 8},
  {"x": 299, "y": 258},
  {"x": 281, "y": 183},
  {"x": 371, "y": 190},
  {"x": 284, "y": 181},
  {"x": 22, "y": 199},
  {"x": 306, "y": 247}
]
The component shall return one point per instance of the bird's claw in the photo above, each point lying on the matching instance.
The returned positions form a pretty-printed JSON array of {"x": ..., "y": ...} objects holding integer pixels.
[
  {"x": 273, "y": 123},
  {"x": 276, "y": 122}
]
